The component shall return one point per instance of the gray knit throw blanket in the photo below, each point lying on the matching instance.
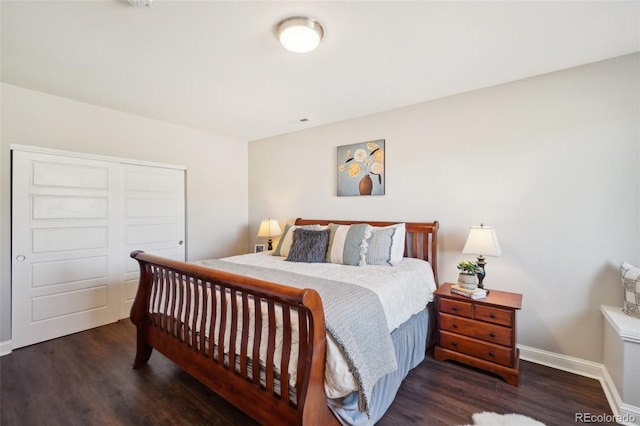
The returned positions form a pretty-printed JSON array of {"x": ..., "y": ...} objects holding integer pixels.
[{"x": 353, "y": 316}]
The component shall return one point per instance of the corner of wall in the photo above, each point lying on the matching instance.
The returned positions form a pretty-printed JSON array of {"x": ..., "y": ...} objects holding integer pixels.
[{"x": 5, "y": 347}]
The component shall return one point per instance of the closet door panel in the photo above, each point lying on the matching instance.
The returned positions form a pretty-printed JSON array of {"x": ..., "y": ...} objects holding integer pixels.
[
  {"x": 63, "y": 232},
  {"x": 154, "y": 220}
]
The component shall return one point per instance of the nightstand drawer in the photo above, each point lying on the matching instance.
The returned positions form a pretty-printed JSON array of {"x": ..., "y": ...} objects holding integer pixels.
[
  {"x": 455, "y": 307},
  {"x": 476, "y": 348},
  {"x": 494, "y": 315},
  {"x": 479, "y": 330}
]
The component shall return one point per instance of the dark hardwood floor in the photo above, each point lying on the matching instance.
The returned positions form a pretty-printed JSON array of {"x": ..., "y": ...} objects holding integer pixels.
[{"x": 86, "y": 379}]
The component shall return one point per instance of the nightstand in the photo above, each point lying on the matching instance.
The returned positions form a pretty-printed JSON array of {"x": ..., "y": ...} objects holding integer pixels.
[{"x": 480, "y": 333}]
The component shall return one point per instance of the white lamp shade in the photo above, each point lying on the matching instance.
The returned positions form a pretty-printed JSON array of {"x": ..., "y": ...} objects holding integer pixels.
[
  {"x": 482, "y": 241},
  {"x": 299, "y": 34},
  {"x": 269, "y": 228}
]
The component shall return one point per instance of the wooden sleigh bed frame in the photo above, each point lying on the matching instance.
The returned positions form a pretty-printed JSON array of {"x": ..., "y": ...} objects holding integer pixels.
[{"x": 261, "y": 392}]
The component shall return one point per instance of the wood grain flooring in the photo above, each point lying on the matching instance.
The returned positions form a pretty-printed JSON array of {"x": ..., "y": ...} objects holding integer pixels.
[{"x": 87, "y": 379}]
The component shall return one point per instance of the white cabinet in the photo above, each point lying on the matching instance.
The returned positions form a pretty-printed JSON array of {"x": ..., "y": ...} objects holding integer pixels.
[{"x": 74, "y": 222}]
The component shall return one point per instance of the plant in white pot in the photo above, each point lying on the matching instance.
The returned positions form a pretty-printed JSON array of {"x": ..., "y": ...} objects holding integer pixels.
[{"x": 468, "y": 277}]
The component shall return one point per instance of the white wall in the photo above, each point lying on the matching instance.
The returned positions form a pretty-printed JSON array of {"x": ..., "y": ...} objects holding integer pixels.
[
  {"x": 216, "y": 168},
  {"x": 551, "y": 162}
]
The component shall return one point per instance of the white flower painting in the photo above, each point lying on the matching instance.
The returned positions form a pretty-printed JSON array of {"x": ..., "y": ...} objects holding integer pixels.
[{"x": 361, "y": 168}]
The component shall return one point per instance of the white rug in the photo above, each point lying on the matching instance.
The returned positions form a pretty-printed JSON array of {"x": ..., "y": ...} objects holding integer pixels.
[{"x": 495, "y": 419}]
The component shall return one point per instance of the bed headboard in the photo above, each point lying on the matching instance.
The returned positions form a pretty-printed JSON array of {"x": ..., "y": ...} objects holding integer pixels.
[{"x": 421, "y": 241}]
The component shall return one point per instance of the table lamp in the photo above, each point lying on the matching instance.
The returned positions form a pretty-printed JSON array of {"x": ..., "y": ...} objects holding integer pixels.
[
  {"x": 482, "y": 241},
  {"x": 269, "y": 228}
]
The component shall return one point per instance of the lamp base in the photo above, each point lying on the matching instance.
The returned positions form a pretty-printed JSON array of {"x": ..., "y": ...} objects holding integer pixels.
[
  {"x": 270, "y": 244},
  {"x": 481, "y": 275}
]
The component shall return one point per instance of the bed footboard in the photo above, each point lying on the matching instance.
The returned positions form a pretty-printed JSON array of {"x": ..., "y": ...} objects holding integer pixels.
[{"x": 237, "y": 335}]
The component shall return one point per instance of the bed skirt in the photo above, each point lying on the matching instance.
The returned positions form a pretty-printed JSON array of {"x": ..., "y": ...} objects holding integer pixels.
[{"x": 410, "y": 345}]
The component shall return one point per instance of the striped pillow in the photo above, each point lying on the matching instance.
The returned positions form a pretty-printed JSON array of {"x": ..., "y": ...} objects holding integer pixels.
[
  {"x": 348, "y": 244},
  {"x": 286, "y": 239},
  {"x": 386, "y": 245}
]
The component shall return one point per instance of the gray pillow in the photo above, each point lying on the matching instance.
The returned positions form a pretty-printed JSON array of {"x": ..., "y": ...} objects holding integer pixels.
[
  {"x": 379, "y": 249},
  {"x": 309, "y": 246},
  {"x": 386, "y": 245}
]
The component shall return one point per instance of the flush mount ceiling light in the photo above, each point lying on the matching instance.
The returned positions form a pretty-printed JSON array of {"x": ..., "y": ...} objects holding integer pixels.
[{"x": 299, "y": 33}]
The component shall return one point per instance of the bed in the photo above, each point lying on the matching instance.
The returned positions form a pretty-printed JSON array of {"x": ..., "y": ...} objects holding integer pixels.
[{"x": 269, "y": 334}]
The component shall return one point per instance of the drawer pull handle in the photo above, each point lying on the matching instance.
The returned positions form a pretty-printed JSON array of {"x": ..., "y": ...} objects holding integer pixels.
[
  {"x": 492, "y": 334},
  {"x": 492, "y": 354},
  {"x": 492, "y": 315},
  {"x": 455, "y": 325},
  {"x": 455, "y": 308},
  {"x": 454, "y": 344}
]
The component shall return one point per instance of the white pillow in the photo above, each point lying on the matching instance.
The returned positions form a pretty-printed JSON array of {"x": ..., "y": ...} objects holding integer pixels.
[{"x": 386, "y": 245}]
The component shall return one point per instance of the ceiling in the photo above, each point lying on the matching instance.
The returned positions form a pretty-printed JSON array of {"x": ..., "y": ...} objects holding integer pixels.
[{"x": 217, "y": 66}]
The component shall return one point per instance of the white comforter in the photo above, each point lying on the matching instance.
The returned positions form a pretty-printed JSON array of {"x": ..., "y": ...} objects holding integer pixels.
[{"x": 404, "y": 290}]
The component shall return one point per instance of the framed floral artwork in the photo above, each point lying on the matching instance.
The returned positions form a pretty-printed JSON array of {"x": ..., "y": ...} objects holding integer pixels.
[{"x": 361, "y": 168}]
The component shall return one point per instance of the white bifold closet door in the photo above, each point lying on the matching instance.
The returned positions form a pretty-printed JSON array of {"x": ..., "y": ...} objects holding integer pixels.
[{"x": 74, "y": 222}]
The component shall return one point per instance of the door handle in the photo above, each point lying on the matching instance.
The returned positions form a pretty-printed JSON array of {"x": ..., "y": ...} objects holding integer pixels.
[
  {"x": 180, "y": 242},
  {"x": 20, "y": 258}
]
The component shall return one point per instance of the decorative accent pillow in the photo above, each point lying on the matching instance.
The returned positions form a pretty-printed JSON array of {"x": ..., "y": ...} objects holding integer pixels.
[
  {"x": 284, "y": 243},
  {"x": 286, "y": 239},
  {"x": 348, "y": 244},
  {"x": 309, "y": 246},
  {"x": 630, "y": 276},
  {"x": 386, "y": 245}
]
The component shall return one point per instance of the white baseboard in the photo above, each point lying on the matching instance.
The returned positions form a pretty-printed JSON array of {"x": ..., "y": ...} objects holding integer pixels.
[
  {"x": 610, "y": 391},
  {"x": 562, "y": 362},
  {"x": 5, "y": 348},
  {"x": 623, "y": 413}
]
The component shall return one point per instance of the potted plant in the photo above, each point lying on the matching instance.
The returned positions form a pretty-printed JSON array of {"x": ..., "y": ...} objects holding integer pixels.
[{"x": 468, "y": 274}]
